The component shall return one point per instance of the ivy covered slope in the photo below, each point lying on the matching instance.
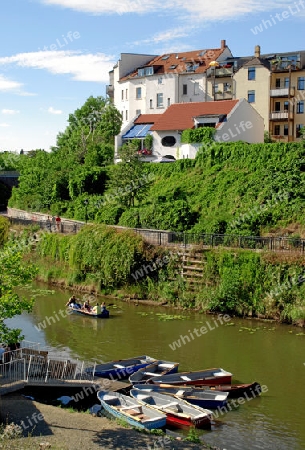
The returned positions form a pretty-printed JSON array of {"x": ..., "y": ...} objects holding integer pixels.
[{"x": 229, "y": 188}]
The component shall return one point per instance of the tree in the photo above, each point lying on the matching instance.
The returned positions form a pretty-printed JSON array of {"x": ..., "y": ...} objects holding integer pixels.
[
  {"x": 14, "y": 272},
  {"x": 128, "y": 181}
]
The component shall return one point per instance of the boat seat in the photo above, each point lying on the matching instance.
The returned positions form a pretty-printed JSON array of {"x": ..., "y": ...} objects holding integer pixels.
[
  {"x": 119, "y": 366},
  {"x": 125, "y": 408},
  {"x": 165, "y": 366},
  {"x": 185, "y": 378},
  {"x": 152, "y": 374},
  {"x": 170, "y": 405}
]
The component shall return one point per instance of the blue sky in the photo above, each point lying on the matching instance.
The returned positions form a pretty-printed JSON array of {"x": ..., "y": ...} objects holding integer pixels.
[{"x": 56, "y": 53}]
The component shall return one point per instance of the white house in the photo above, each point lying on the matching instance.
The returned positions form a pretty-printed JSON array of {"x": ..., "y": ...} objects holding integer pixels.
[
  {"x": 148, "y": 84},
  {"x": 234, "y": 120}
]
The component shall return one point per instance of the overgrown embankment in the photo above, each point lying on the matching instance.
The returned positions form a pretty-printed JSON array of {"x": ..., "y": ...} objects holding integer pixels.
[{"x": 243, "y": 282}]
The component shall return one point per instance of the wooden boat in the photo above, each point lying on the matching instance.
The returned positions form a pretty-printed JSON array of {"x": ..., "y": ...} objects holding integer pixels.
[
  {"x": 239, "y": 390},
  {"x": 121, "y": 368},
  {"x": 104, "y": 314},
  {"x": 205, "y": 398},
  {"x": 157, "y": 368},
  {"x": 209, "y": 377},
  {"x": 135, "y": 413},
  {"x": 179, "y": 413}
]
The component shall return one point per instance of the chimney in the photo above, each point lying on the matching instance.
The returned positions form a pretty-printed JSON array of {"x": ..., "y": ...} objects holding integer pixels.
[
  {"x": 223, "y": 43},
  {"x": 257, "y": 51}
]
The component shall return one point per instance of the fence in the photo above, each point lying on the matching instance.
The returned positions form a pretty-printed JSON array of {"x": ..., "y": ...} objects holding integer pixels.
[{"x": 157, "y": 237}]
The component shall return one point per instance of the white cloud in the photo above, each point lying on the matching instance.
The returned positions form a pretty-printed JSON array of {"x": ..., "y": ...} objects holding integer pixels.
[
  {"x": 197, "y": 9},
  {"x": 4, "y": 125},
  {"x": 82, "y": 67},
  {"x": 51, "y": 110},
  {"x": 10, "y": 112},
  {"x": 8, "y": 85}
]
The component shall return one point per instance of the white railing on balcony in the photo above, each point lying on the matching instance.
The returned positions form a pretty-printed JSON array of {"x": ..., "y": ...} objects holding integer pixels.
[
  {"x": 281, "y": 92},
  {"x": 280, "y": 115}
]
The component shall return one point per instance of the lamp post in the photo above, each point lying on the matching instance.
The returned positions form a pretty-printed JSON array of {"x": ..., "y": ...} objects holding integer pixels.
[
  {"x": 86, "y": 209},
  {"x": 214, "y": 64}
]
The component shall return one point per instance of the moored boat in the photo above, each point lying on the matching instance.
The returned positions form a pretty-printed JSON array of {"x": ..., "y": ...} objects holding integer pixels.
[
  {"x": 120, "y": 369},
  {"x": 238, "y": 390},
  {"x": 157, "y": 368},
  {"x": 179, "y": 413},
  {"x": 135, "y": 413},
  {"x": 205, "y": 398},
  {"x": 209, "y": 377}
]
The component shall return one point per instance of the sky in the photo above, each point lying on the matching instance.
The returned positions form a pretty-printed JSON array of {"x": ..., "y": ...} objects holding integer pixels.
[{"x": 54, "y": 54}]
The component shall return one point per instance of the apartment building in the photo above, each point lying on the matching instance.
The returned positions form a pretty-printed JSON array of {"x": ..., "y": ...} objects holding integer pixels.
[
  {"x": 274, "y": 84},
  {"x": 148, "y": 84}
]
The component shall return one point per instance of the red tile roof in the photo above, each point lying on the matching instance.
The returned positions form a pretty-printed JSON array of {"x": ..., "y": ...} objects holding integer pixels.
[
  {"x": 180, "y": 116},
  {"x": 147, "y": 118},
  {"x": 180, "y": 62}
]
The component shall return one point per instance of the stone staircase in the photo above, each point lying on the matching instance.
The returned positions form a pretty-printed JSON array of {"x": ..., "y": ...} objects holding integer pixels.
[{"x": 192, "y": 264}]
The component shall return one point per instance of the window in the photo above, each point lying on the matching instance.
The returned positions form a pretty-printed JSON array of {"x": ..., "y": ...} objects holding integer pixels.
[
  {"x": 126, "y": 94},
  {"x": 196, "y": 88},
  {"x": 251, "y": 73},
  {"x": 151, "y": 103},
  {"x": 168, "y": 141},
  {"x": 138, "y": 112},
  {"x": 159, "y": 100},
  {"x": 226, "y": 87},
  {"x": 277, "y": 106},
  {"x": 286, "y": 82},
  {"x": 173, "y": 66},
  {"x": 286, "y": 129},
  {"x": 301, "y": 83},
  {"x": 300, "y": 107},
  {"x": 168, "y": 102},
  {"x": 184, "y": 89},
  {"x": 286, "y": 106},
  {"x": 297, "y": 130},
  {"x": 277, "y": 130},
  {"x": 141, "y": 72},
  {"x": 149, "y": 70},
  {"x": 126, "y": 115},
  {"x": 160, "y": 80},
  {"x": 278, "y": 83},
  {"x": 251, "y": 96},
  {"x": 122, "y": 94},
  {"x": 138, "y": 93}
]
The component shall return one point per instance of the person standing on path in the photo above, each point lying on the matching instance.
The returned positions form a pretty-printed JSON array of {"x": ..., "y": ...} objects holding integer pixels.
[{"x": 58, "y": 220}]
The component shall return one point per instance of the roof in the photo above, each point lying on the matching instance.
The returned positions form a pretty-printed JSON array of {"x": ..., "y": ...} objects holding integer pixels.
[
  {"x": 196, "y": 61},
  {"x": 180, "y": 116},
  {"x": 258, "y": 62},
  {"x": 147, "y": 118}
]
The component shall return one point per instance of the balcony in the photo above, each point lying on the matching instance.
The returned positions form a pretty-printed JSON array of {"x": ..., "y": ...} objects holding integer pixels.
[
  {"x": 219, "y": 72},
  {"x": 282, "y": 92},
  {"x": 223, "y": 95},
  {"x": 280, "y": 138},
  {"x": 110, "y": 90},
  {"x": 281, "y": 115},
  {"x": 285, "y": 66}
]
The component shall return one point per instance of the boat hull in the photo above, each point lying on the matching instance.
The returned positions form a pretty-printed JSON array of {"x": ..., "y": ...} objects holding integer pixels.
[
  {"x": 121, "y": 369},
  {"x": 238, "y": 390},
  {"x": 209, "y": 377},
  {"x": 103, "y": 315}
]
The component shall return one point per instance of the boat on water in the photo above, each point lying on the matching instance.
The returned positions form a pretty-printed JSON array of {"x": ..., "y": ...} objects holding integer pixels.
[
  {"x": 120, "y": 369},
  {"x": 127, "y": 408},
  {"x": 157, "y": 368},
  {"x": 208, "y": 377},
  {"x": 179, "y": 413},
  {"x": 205, "y": 398},
  {"x": 103, "y": 315},
  {"x": 239, "y": 390}
]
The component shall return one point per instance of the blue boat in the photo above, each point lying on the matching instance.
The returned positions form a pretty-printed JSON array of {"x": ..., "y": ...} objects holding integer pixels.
[
  {"x": 129, "y": 409},
  {"x": 104, "y": 314},
  {"x": 120, "y": 369},
  {"x": 205, "y": 398}
]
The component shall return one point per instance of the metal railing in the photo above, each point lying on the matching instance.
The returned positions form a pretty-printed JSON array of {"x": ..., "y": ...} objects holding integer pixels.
[{"x": 158, "y": 237}]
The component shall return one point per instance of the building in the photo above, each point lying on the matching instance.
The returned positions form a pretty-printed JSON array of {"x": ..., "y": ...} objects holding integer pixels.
[
  {"x": 234, "y": 120},
  {"x": 148, "y": 84}
]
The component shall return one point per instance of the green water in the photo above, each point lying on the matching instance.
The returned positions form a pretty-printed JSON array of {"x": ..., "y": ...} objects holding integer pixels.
[{"x": 253, "y": 351}]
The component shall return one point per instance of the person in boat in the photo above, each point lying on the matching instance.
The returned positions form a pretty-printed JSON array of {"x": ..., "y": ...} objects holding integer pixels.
[
  {"x": 103, "y": 307},
  {"x": 96, "y": 309},
  {"x": 72, "y": 302},
  {"x": 86, "y": 306}
]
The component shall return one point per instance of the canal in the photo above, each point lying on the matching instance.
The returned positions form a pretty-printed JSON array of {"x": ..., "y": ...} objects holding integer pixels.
[{"x": 252, "y": 350}]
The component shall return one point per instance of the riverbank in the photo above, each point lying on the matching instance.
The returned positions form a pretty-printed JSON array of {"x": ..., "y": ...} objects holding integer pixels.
[{"x": 62, "y": 429}]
